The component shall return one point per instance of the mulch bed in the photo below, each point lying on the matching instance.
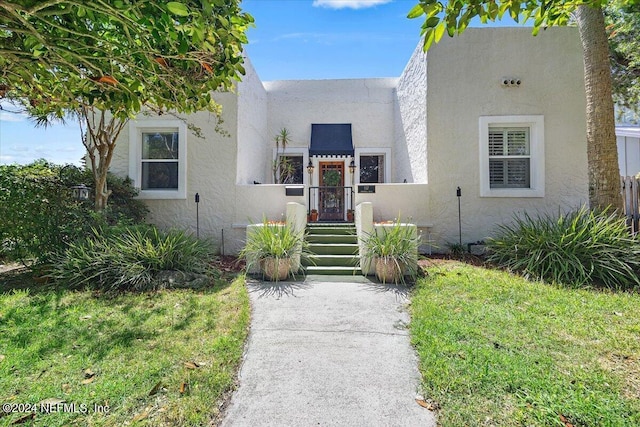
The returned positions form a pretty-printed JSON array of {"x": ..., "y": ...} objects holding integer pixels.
[{"x": 228, "y": 264}]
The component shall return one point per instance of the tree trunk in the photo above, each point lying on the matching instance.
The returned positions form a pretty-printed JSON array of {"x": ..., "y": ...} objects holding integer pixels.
[
  {"x": 100, "y": 141},
  {"x": 602, "y": 153}
]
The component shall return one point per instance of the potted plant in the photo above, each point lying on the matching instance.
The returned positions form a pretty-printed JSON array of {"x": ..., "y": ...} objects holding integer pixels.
[
  {"x": 350, "y": 215},
  {"x": 313, "y": 215},
  {"x": 274, "y": 247},
  {"x": 394, "y": 249}
]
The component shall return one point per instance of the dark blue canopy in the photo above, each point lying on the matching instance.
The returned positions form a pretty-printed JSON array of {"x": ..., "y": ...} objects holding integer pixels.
[{"x": 331, "y": 139}]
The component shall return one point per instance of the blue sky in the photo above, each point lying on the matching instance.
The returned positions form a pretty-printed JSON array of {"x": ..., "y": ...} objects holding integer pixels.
[{"x": 293, "y": 39}]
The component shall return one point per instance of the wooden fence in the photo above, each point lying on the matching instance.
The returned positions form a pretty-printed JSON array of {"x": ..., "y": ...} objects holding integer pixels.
[{"x": 631, "y": 194}]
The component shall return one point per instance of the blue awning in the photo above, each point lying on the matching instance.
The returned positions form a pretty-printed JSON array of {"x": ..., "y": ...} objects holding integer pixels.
[{"x": 331, "y": 140}]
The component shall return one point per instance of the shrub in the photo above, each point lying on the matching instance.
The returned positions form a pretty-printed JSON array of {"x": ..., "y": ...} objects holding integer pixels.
[
  {"x": 579, "y": 248},
  {"x": 38, "y": 217},
  {"x": 131, "y": 260},
  {"x": 37, "y": 214}
]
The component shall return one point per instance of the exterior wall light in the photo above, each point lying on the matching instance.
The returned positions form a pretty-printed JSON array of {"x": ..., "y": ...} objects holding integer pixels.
[
  {"x": 310, "y": 170},
  {"x": 352, "y": 166}
]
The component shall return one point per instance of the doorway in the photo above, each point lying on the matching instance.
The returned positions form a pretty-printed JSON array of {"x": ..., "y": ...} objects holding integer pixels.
[{"x": 331, "y": 197}]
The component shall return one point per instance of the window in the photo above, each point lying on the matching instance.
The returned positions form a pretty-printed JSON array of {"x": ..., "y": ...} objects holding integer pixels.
[
  {"x": 509, "y": 158},
  {"x": 512, "y": 156},
  {"x": 159, "y": 160},
  {"x": 157, "y": 150},
  {"x": 371, "y": 169},
  {"x": 291, "y": 170}
]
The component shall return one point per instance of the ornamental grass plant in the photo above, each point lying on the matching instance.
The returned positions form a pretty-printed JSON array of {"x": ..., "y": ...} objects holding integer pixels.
[
  {"x": 131, "y": 260},
  {"x": 397, "y": 246},
  {"x": 580, "y": 248},
  {"x": 278, "y": 241}
]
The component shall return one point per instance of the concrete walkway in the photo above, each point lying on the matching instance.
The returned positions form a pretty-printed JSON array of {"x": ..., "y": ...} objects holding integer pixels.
[{"x": 328, "y": 352}]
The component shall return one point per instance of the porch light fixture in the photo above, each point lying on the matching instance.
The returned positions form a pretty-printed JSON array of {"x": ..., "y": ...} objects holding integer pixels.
[
  {"x": 310, "y": 170},
  {"x": 352, "y": 166}
]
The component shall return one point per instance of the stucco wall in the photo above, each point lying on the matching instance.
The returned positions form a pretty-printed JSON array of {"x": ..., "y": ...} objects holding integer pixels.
[
  {"x": 368, "y": 104},
  {"x": 410, "y": 202},
  {"x": 211, "y": 172},
  {"x": 410, "y": 150},
  {"x": 465, "y": 76},
  {"x": 254, "y": 150}
]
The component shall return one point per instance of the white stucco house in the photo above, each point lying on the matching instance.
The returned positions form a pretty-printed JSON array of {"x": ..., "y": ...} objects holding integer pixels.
[{"x": 496, "y": 112}]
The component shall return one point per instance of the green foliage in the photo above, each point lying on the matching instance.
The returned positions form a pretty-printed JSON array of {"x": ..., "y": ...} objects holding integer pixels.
[
  {"x": 397, "y": 244},
  {"x": 580, "y": 248},
  {"x": 456, "y": 249},
  {"x": 273, "y": 240},
  {"x": 623, "y": 26},
  {"x": 38, "y": 217},
  {"x": 459, "y": 13},
  {"x": 124, "y": 207},
  {"x": 281, "y": 168},
  {"x": 496, "y": 349},
  {"x": 331, "y": 178},
  {"x": 120, "y": 56},
  {"x": 131, "y": 260}
]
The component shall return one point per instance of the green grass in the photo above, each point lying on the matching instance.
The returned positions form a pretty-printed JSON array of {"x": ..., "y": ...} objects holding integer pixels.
[
  {"x": 496, "y": 349},
  {"x": 52, "y": 341}
]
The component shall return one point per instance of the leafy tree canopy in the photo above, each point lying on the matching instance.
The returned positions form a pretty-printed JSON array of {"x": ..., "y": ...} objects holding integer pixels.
[
  {"x": 458, "y": 14},
  {"x": 623, "y": 19},
  {"x": 58, "y": 56}
]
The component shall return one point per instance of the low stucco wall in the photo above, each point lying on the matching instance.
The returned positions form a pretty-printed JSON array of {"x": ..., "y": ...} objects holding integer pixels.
[{"x": 405, "y": 201}]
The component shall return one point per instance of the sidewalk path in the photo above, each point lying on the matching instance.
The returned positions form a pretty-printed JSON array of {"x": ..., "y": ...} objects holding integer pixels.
[{"x": 328, "y": 352}]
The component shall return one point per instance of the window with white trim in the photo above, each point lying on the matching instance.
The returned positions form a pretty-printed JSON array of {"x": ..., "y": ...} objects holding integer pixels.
[
  {"x": 157, "y": 150},
  {"x": 512, "y": 156}
]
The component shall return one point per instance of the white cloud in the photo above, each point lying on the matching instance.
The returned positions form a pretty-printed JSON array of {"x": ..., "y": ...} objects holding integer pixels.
[
  {"x": 352, "y": 4},
  {"x": 7, "y": 159},
  {"x": 7, "y": 116}
]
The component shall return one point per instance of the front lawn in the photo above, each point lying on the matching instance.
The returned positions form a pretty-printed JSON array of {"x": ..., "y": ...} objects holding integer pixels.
[
  {"x": 158, "y": 358},
  {"x": 496, "y": 349}
]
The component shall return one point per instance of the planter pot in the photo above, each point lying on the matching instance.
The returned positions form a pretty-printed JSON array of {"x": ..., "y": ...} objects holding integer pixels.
[
  {"x": 388, "y": 270},
  {"x": 313, "y": 216},
  {"x": 349, "y": 216},
  {"x": 276, "y": 269}
]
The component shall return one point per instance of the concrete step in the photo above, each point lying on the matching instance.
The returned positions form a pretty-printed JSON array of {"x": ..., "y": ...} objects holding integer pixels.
[
  {"x": 332, "y": 238},
  {"x": 334, "y": 248},
  {"x": 333, "y": 270},
  {"x": 334, "y": 260},
  {"x": 331, "y": 229}
]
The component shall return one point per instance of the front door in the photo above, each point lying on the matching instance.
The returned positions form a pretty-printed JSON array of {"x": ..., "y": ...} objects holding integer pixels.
[{"x": 331, "y": 191}]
